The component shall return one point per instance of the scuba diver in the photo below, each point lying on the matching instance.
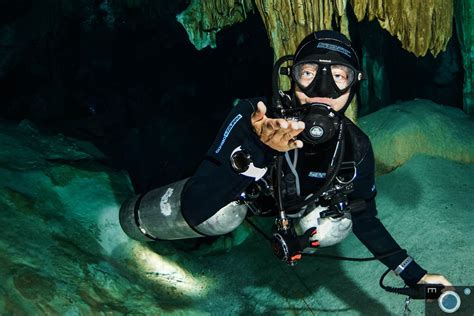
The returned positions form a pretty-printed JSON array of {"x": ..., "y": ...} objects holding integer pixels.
[{"x": 299, "y": 159}]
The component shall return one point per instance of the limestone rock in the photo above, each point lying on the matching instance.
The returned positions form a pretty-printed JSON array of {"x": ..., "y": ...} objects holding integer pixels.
[
  {"x": 288, "y": 22},
  {"x": 62, "y": 251},
  {"x": 203, "y": 19},
  {"x": 421, "y": 26},
  {"x": 400, "y": 131},
  {"x": 465, "y": 29}
]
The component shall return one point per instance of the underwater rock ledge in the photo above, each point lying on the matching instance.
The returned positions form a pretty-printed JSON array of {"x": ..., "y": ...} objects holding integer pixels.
[{"x": 400, "y": 131}]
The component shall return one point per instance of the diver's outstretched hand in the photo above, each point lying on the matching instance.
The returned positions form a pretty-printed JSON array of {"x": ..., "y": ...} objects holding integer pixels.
[{"x": 278, "y": 134}]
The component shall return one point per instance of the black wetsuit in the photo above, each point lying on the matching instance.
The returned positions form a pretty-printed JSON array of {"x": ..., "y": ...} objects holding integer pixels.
[{"x": 215, "y": 184}]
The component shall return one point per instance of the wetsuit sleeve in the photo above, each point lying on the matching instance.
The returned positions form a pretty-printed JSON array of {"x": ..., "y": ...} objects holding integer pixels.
[
  {"x": 368, "y": 228},
  {"x": 215, "y": 183}
]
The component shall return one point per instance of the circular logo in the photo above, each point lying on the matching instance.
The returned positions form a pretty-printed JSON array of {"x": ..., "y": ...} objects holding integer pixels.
[
  {"x": 449, "y": 302},
  {"x": 316, "y": 131}
]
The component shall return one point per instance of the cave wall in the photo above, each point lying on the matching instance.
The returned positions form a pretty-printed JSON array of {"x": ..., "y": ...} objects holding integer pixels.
[
  {"x": 421, "y": 26},
  {"x": 465, "y": 28},
  {"x": 203, "y": 19}
]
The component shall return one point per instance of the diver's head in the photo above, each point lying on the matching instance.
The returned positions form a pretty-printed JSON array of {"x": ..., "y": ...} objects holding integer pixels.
[{"x": 326, "y": 70}]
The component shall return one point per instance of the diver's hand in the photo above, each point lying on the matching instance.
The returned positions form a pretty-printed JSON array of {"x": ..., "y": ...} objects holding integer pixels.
[
  {"x": 434, "y": 279},
  {"x": 278, "y": 134}
]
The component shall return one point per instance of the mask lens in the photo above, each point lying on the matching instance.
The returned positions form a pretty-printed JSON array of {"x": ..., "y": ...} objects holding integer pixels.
[
  {"x": 342, "y": 75},
  {"x": 305, "y": 73}
]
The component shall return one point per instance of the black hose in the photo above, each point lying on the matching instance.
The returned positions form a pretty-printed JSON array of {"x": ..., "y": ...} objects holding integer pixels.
[
  {"x": 276, "y": 80},
  {"x": 352, "y": 259},
  {"x": 417, "y": 291},
  {"x": 328, "y": 256},
  {"x": 332, "y": 170},
  {"x": 277, "y": 187},
  {"x": 331, "y": 173}
]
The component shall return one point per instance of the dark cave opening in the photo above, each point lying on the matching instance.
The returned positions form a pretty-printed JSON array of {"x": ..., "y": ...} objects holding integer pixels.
[
  {"x": 436, "y": 78},
  {"x": 397, "y": 75}
]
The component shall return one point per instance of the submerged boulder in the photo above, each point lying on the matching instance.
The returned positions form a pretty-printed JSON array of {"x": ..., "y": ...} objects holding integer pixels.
[
  {"x": 402, "y": 130},
  {"x": 61, "y": 249}
]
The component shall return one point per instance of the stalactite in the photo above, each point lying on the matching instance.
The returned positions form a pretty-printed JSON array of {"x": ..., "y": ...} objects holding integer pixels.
[
  {"x": 288, "y": 22},
  {"x": 203, "y": 19},
  {"x": 421, "y": 26},
  {"x": 465, "y": 30}
]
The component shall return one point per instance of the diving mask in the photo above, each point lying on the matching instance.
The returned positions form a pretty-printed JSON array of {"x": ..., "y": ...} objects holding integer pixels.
[{"x": 324, "y": 78}]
